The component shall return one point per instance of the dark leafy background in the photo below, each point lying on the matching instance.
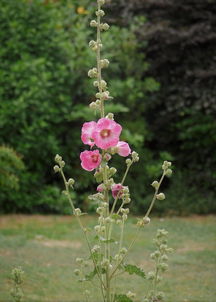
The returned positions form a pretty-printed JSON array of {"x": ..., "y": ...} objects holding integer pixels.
[{"x": 162, "y": 76}]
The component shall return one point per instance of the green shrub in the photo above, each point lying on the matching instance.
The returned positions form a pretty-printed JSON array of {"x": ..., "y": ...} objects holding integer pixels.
[{"x": 44, "y": 92}]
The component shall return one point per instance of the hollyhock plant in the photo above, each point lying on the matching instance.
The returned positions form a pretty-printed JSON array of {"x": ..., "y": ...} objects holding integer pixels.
[
  {"x": 105, "y": 241},
  {"x": 90, "y": 160},
  {"x": 87, "y": 130},
  {"x": 123, "y": 149},
  {"x": 106, "y": 133}
]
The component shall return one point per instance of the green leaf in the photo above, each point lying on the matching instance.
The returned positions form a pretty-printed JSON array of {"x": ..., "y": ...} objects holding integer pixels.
[
  {"x": 122, "y": 298},
  {"x": 133, "y": 269},
  {"x": 91, "y": 275}
]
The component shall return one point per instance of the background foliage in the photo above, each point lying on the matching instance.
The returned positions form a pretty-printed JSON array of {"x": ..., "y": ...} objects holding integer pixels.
[{"x": 159, "y": 72}]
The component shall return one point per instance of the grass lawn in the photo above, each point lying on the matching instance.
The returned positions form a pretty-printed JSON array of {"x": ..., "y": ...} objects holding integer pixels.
[{"x": 46, "y": 248}]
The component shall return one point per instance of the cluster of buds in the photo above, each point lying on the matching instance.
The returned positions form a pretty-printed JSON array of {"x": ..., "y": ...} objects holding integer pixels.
[
  {"x": 166, "y": 167},
  {"x": 60, "y": 162},
  {"x": 160, "y": 257},
  {"x": 17, "y": 277}
]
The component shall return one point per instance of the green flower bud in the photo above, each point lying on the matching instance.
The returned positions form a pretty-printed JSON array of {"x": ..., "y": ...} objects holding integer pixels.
[
  {"x": 104, "y": 26},
  {"x": 168, "y": 172},
  {"x": 92, "y": 73},
  {"x": 98, "y": 102},
  {"x": 92, "y": 43},
  {"x": 77, "y": 272},
  {"x": 128, "y": 161},
  {"x": 58, "y": 158},
  {"x": 71, "y": 182},
  {"x": 100, "y": 13},
  {"x": 104, "y": 63},
  {"x": 77, "y": 212},
  {"x": 101, "y": 2},
  {"x": 155, "y": 184},
  {"x": 79, "y": 260},
  {"x": 103, "y": 84},
  {"x": 110, "y": 116},
  {"x": 150, "y": 276},
  {"x": 93, "y": 105},
  {"x": 146, "y": 220},
  {"x": 160, "y": 196},
  {"x": 130, "y": 294},
  {"x": 135, "y": 156},
  {"x": 93, "y": 23},
  {"x": 56, "y": 168}
]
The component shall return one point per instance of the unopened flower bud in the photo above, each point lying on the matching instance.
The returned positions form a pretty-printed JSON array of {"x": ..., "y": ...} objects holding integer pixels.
[
  {"x": 77, "y": 272},
  {"x": 100, "y": 13},
  {"x": 92, "y": 43},
  {"x": 104, "y": 26},
  {"x": 107, "y": 156},
  {"x": 146, "y": 220},
  {"x": 123, "y": 250},
  {"x": 164, "y": 258},
  {"x": 155, "y": 184},
  {"x": 160, "y": 296},
  {"x": 130, "y": 294},
  {"x": 98, "y": 102},
  {"x": 135, "y": 156},
  {"x": 113, "y": 171},
  {"x": 95, "y": 84},
  {"x": 77, "y": 212},
  {"x": 71, "y": 182},
  {"x": 160, "y": 196},
  {"x": 103, "y": 84},
  {"x": 93, "y": 105},
  {"x": 150, "y": 275},
  {"x": 56, "y": 168},
  {"x": 92, "y": 73},
  {"x": 128, "y": 161},
  {"x": 58, "y": 158},
  {"x": 93, "y": 23},
  {"x": 79, "y": 260},
  {"x": 104, "y": 63},
  {"x": 101, "y": 2},
  {"x": 110, "y": 116},
  {"x": 168, "y": 172}
]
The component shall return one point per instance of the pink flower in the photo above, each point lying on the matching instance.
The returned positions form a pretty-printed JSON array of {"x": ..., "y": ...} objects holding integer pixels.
[
  {"x": 100, "y": 188},
  {"x": 117, "y": 190},
  {"x": 123, "y": 149},
  {"x": 87, "y": 130},
  {"x": 90, "y": 160},
  {"x": 106, "y": 134}
]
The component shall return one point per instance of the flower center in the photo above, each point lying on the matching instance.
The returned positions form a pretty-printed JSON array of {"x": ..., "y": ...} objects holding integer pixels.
[
  {"x": 94, "y": 158},
  {"x": 105, "y": 133}
]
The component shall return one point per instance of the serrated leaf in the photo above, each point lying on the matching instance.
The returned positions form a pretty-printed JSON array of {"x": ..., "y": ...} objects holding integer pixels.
[
  {"x": 122, "y": 298},
  {"x": 133, "y": 269}
]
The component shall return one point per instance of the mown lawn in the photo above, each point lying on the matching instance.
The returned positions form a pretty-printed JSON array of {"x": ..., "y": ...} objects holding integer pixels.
[{"x": 46, "y": 248}]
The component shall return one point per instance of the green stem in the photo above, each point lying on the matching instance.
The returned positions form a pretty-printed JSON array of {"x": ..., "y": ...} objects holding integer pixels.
[
  {"x": 82, "y": 228},
  {"x": 155, "y": 196},
  {"x": 122, "y": 182}
]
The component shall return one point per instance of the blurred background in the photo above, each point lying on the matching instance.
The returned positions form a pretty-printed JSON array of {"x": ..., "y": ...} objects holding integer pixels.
[{"x": 162, "y": 77}]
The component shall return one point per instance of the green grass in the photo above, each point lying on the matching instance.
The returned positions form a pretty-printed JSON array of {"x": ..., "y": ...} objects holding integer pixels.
[{"x": 46, "y": 248}]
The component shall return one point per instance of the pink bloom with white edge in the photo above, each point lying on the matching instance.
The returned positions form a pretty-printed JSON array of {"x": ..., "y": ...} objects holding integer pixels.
[
  {"x": 87, "y": 131},
  {"x": 117, "y": 190},
  {"x": 106, "y": 134},
  {"x": 90, "y": 160},
  {"x": 123, "y": 149}
]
